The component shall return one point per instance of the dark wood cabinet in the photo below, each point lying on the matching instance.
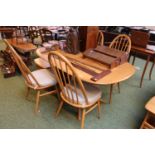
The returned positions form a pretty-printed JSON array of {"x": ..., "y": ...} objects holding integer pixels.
[{"x": 88, "y": 37}]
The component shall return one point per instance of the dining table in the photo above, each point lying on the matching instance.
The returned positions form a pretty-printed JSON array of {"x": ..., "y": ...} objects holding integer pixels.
[
  {"x": 23, "y": 47},
  {"x": 118, "y": 74}
]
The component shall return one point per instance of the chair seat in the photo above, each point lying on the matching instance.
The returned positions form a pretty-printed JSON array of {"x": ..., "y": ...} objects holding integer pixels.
[
  {"x": 44, "y": 78},
  {"x": 41, "y": 63},
  {"x": 93, "y": 93},
  {"x": 150, "y": 106}
]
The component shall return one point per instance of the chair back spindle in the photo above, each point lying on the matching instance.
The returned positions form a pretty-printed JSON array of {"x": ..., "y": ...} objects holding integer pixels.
[
  {"x": 22, "y": 66},
  {"x": 100, "y": 38},
  {"x": 121, "y": 42},
  {"x": 68, "y": 80}
]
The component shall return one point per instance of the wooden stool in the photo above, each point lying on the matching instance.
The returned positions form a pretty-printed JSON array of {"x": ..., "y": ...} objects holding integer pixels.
[{"x": 149, "y": 120}]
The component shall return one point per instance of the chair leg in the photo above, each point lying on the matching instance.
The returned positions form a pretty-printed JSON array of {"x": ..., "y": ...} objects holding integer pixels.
[
  {"x": 27, "y": 92},
  {"x": 37, "y": 102},
  {"x": 79, "y": 114},
  {"x": 150, "y": 74},
  {"x": 118, "y": 85},
  {"x": 134, "y": 57},
  {"x": 83, "y": 118},
  {"x": 129, "y": 58},
  {"x": 59, "y": 108},
  {"x": 144, "y": 70},
  {"x": 110, "y": 95},
  {"x": 145, "y": 119},
  {"x": 58, "y": 94},
  {"x": 98, "y": 108}
]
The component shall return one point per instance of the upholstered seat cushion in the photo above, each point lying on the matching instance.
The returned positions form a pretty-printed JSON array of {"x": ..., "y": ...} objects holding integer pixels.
[
  {"x": 44, "y": 77},
  {"x": 93, "y": 93},
  {"x": 41, "y": 63}
]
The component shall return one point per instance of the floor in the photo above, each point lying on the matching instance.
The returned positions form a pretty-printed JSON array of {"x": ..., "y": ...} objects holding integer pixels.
[{"x": 126, "y": 111}]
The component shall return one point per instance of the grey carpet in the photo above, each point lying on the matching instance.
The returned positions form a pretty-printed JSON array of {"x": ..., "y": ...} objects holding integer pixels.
[{"x": 126, "y": 111}]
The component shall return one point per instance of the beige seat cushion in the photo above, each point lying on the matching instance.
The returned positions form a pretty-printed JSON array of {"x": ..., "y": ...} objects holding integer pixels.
[
  {"x": 93, "y": 93},
  {"x": 44, "y": 77},
  {"x": 150, "y": 106},
  {"x": 41, "y": 63}
]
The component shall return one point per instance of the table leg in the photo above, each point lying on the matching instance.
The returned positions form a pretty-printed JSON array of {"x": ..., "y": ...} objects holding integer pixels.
[
  {"x": 129, "y": 58},
  {"x": 118, "y": 85},
  {"x": 110, "y": 95},
  {"x": 146, "y": 64},
  {"x": 134, "y": 57},
  {"x": 151, "y": 69},
  {"x": 79, "y": 114}
]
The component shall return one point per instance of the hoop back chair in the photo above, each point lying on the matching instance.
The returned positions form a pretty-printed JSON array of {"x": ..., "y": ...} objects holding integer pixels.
[
  {"x": 38, "y": 80},
  {"x": 35, "y": 35},
  {"x": 121, "y": 42},
  {"x": 84, "y": 97},
  {"x": 100, "y": 38}
]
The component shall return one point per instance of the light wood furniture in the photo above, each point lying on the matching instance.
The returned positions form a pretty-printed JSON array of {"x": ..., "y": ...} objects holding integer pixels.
[
  {"x": 84, "y": 97},
  {"x": 118, "y": 74},
  {"x": 41, "y": 63},
  {"x": 24, "y": 47},
  {"x": 100, "y": 38},
  {"x": 149, "y": 120},
  {"x": 122, "y": 43},
  {"x": 38, "y": 80}
]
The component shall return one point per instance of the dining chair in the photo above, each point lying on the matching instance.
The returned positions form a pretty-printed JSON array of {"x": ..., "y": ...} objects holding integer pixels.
[
  {"x": 149, "y": 120},
  {"x": 35, "y": 35},
  {"x": 122, "y": 43},
  {"x": 100, "y": 38},
  {"x": 39, "y": 80},
  {"x": 83, "y": 96},
  {"x": 46, "y": 35}
]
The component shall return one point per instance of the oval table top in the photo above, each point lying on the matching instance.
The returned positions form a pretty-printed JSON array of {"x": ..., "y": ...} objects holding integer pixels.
[{"x": 118, "y": 74}]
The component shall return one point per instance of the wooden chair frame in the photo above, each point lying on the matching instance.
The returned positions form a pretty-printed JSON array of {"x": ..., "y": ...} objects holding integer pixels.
[
  {"x": 145, "y": 124},
  {"x": 100, "y": 38},
  {"x": 122, "y": 42},
  {"x": 25, "y": 72},
  {"x": 43, "y": 33},
  {"x": 66, "y": 75},
  {"x": 148, "y": 122}
]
